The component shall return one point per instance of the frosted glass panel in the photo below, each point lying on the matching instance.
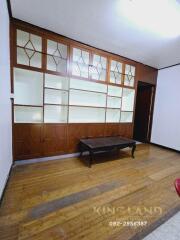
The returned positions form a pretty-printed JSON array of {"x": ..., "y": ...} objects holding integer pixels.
[
  {"x": 80, "y": 64},
  {"x": 98, "y": 70},
  {"x": 129, "y": 77},
  {"x": 83, "y": 98},
  {"x": 86, "y": 85},
  {"x": 57, "y": 49},
  {"x": 28, "y": 52},
  {"x": 22, "y": 57},
  {"x": 36, "y": 60},
  {"x": 28, "y": 40},
  {"x": 56, "y": 96},
  {"x": 130, "y": 70},
  {"x": 112, "y": 115},
  {"x": 29, "y": 57},
  {"x": 56, "y": 64},
  {"x": 28, "y": 114},
  {"x": 127, "y": 117},
  {"x": 113, "y": 102},
  {"x": 22, "y": 38},
  {"x": 28, "y": 87},
  {"x": 116, "y": 72},
  {"x": 129, "y": 81},
  {"x": 114, "y": 91},
  {"x": 83, "y": 115},
  {"x": 57, "y": 56},
  {"x": 55, "y": 114},
  {"x": 54, "y": 81},
  {"x": 128, "y": 99}
]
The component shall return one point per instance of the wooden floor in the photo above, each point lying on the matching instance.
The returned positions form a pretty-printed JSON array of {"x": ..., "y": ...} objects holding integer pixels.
[{"x": 66, "y": 200}]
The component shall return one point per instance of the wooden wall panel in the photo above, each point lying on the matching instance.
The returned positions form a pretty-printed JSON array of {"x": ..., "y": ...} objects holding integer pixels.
[
  {"x": 27, "y": 141},
  {"x": 54, "y": 139},
  {"x": 147, "y": 74},
  {"x": 96, "y": 130},
  {"x": 75, "y": 132},
  {"x": 111, "y": 129},
  {"x": 126, "y": 130},
  {"x": 41, "y": 140}
]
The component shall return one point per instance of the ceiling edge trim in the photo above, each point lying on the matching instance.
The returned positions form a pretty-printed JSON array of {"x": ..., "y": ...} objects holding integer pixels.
[
  {"x": 9, "y": 8},
  {"x": 169, "y": 66}
]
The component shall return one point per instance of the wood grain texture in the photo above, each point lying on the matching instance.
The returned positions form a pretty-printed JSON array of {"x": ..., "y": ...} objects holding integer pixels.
[
  {"x": 64, "y": 199},
  {"x": 147, "y": 74}
]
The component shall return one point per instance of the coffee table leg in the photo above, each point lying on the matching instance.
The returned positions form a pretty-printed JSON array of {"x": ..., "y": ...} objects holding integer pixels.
[
  {"x": 133, "y": 150},
  {"x": 81, "y": 149},
  {"x": 90, "y": 158}
]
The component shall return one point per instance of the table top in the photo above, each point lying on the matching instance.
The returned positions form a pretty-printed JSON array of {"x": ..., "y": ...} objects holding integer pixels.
[{"x": 106, "y": 142}]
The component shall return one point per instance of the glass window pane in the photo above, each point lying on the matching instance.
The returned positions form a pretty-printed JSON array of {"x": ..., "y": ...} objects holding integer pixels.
[
  {"x": 113, "y": 102},
  {"x": 85, "y": 115},
  {"x": 36, "y": 60},
  {"x": 54, "y": 81},
  {"x": 114, "y": 91},
  {"x": 28, "y": 114},
  {"x": 127, "y": 117},
  {"x": 22, "y": 38},
  {"x": 51, "y": 65},
  {"x": 80, "y": 70},
  {"x": 87, "y": 85},
  {"x": 56, "y": 64},
  {"x": 130, "y": 70},
  {"x": 129, "y": 77},
  {"x": 56, "y": 97},
  {"x": 57, "y": 49},
  {"x": 55, "y": 114},
  {"x": 98, "y": 70},
  {"x": 113, "y": 115},
  {"x": 116, "y": 77},
  {"x": 31, "y": 46},
  {"x": 37, "y": 42},
  {"x": 83, "y": 98},
  {"x": 28, "y": 87},
  {"x": 57, "y": 58},
  {"x": 128, "y": 99},
  {"x": 129, "y": 80},
  {"x": 80, "y": 65},
  {"x": 116, "y": 72},
  {"x": 22, "y": 57}
]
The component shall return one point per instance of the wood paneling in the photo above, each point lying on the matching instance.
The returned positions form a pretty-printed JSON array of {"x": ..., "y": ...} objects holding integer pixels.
[
  {"x": 27, "y": 141},
  {"x": 65, "y": 200},
  {"x": 111, "y": 129},
  {"x": 126, "y": 130},
  {"x": 96, "y": 130},
  {"x": 75, "y": 132},
  {"x": 40, "y": 140},
  {"x": 54, "y": 139},
  {"x": 147, "y": 74}
]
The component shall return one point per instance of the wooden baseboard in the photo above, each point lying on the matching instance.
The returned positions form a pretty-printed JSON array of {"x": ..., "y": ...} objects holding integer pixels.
[{"x": 161, "y": 146}]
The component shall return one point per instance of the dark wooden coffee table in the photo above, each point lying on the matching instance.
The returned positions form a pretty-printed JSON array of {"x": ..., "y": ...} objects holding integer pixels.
[{"x": 94, "y": 145}]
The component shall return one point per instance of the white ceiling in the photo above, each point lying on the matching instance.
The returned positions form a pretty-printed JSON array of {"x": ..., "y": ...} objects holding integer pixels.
[{"x": 100, "y": 23}]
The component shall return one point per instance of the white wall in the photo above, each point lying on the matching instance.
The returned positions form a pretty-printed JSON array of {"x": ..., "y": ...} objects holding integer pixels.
[
  {"x": 166, "y": 120},
  {"x": 5, "y": 103}
]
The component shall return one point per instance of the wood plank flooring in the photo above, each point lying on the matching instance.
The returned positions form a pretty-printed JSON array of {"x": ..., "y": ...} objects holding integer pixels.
[{"x": 64, "y": 200}]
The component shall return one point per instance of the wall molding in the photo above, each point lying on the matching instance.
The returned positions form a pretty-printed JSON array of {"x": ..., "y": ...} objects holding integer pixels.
[
  {"x": 167, "y": 148},
  {"x": 169, "y": 66},
  {"x": 9, "y": 8}
]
